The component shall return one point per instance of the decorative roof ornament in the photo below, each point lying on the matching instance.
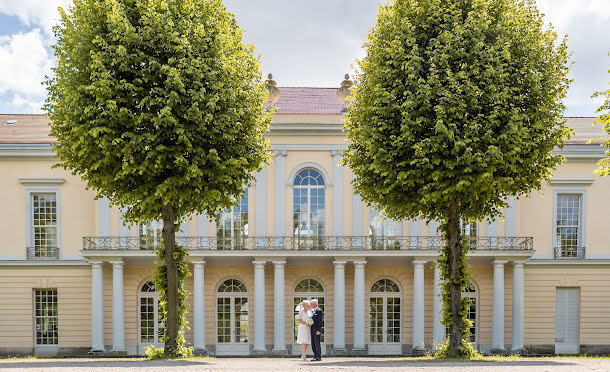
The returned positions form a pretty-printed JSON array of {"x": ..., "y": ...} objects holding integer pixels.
[
  {"x": 344, "y": 91},
  {"x": 274, "y": 92}
]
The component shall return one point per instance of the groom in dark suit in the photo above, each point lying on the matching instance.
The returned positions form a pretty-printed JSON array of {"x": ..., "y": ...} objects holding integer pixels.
[{"x": 316, "y": 330}]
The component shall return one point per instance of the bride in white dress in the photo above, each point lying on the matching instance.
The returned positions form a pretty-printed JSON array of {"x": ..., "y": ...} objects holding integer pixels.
[{"x": 304, "y": 331}]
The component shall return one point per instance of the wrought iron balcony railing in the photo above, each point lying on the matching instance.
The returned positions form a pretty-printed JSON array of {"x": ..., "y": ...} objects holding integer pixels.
[
  {"x": 324, "y": 243},
  {"x": 566, "y": 253},
  {"x": 47, "y": 252}
]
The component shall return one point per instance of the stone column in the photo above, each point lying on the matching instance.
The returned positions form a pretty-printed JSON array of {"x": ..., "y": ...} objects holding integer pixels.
[
  {"x": 279, "y": 307},
  {"x": 418, "y": 305},
  {"x": 337, "y": 193},
  {"x": 339, "y": 308},
  {"x": 280, "y": 192},
  {"x": 118, "y": 307},
  {"x": 438, "y": 329},
  {"x": 497, "y": 320},
  {"x": 518, "y": 307},
  {"x": 259, "y": 306},
  {"x": 97, "y": 306},
  {"x": 359, "y": 306},
  {"x": 198, "y": 306}
]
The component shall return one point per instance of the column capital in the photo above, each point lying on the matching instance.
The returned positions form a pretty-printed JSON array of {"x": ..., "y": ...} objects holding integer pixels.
[
  {"x": 339, "y": 263},
  {"x": 280, "y": 152},
  {"x": 96, "y": 263},
  {"x": 116, "y": 263},
  {"x": 519, "y": 263},
  {"x": 359, "y": 263},
  {"x": 199, "y": 264},
  {"x": 336, "y": 153},
  {"x": 500, "y": 262},
  {"x": 279, "y": 262},
  {"x": 259, "y": 263},
  {"x": 419, "y": 262}
]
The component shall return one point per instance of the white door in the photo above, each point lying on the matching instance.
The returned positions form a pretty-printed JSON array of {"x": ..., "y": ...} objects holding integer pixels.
[
  {"x": 150, "y": 327},
  {"x": 384, "y": 318},
  {"x": 567, "y": 321}
]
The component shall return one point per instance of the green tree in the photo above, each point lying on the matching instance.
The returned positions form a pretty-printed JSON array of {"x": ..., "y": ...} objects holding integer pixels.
[
  {"x": 158, "y": 105},
  {"x": 604, "y": 119},
  {"x": 457, "y": 106}
]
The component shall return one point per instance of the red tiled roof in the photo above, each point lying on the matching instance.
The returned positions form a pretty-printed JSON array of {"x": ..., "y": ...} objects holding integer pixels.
[
  {"x": 34, "y": 129},
  {"x": 301, "y": 100}
]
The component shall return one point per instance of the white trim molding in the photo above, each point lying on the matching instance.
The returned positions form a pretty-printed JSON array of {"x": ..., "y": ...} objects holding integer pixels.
[
  {"x": 42, "y": 181},
  {"x": 280, "y": 192},
  {"x": 560, "y": 182},
  {"x": 337, "y": 193},
  {"x": 306, "y": 165}
]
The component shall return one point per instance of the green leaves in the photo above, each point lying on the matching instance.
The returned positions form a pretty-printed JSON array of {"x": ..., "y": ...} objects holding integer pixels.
[
  {"x": 456, "y": 100},
  {"x": 157, "y": 101}
]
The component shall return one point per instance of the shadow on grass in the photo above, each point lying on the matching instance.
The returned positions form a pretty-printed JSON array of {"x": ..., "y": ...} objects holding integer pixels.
[{"x": 69, "y": 364}]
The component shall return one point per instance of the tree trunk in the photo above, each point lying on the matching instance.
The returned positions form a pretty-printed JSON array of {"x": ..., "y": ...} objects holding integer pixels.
[
  {"x": 454, "y": 257},
  {"x": 169, "y": 241}
]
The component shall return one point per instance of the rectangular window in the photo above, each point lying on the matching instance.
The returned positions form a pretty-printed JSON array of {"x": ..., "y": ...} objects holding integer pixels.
[
  {"x": 469, "y": 231},
  {"x": 568, "y": 225},
  {"x": 45, "y": 316},
  {"x": 232, "y": 227},
  {"x": 44, "y": 225},
  {"x": 384, "y": 232},
  {"x": 150, "y": 234}
]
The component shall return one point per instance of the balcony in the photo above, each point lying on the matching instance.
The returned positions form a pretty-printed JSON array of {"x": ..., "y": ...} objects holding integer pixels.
[
  {"x": 42, "y": 253},
  {"x": 324, "y": 243},
  {"x": 569, "y": 253}
]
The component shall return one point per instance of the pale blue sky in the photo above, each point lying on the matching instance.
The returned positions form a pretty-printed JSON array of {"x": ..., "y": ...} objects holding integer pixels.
[{"x": 303, "y": 43}]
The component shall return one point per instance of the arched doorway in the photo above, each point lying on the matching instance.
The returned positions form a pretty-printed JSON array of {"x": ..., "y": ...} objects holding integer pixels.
[
  {"x": 150, "y": 326},
  {"x": 232, "y": 318},
  {"x": 385, "y": 318},
  {"x": 306, "y": 289},
  {"x": 309, "y": 209}
]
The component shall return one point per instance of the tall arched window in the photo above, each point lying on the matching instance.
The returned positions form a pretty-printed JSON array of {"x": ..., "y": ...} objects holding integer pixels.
[
  {"x": 309, "y": 200},
  {"x": 232, "y": 228},
  {"x": 383, "y": 231},
  {"x": 384, "y": 317},
  {"x": 307, "y": 289},
  {"x": 232, "y": 317},
  {"x": 151, "y": 327}
]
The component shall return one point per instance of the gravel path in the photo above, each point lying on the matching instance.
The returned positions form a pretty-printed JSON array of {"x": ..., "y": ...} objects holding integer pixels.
[{"x": 289, "y": 364}]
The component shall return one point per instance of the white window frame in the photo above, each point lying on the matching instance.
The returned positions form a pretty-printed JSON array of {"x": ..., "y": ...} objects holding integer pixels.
[
  {"x": 35, "y": 317},
  {"x": 571, "y": 190},
  {"x": 29, "y": 217}
]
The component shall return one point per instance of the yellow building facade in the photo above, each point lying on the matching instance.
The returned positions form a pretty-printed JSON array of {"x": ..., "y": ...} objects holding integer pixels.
[{"x": 75, "y": 280}]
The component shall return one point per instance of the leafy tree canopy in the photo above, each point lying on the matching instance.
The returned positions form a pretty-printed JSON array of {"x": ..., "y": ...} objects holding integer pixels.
[
  {"x": 157, "y": 101},
  {"x": 456, "y": 101}
]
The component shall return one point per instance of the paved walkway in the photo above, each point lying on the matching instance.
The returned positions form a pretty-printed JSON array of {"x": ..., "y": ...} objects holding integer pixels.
[{"x": 289, "y": 364}]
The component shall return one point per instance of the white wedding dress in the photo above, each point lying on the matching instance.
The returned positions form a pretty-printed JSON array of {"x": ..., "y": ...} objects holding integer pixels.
[{"x": 304, "y": 331}]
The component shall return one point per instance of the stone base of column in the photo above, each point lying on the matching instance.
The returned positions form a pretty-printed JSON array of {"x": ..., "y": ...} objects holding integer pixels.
[
  {"x": 360, "y": 351},
  {"x": 520, "y": 350},
  {"x": 96, "y": 352},
  {"x": 279, "y": 352},
  {"x": 498, "y": 351},
  {"x": 116, "y": 353},
  {"x": 255, "y": 352},
  {"x": 201, "y": 352},
  {"x": 418, "y": 351}
]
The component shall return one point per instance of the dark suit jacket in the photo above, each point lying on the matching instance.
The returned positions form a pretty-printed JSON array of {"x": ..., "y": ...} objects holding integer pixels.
[{"x": 318, "y": 320}]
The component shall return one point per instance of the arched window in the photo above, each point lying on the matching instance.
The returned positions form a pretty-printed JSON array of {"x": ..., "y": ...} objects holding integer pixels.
[
  {"x": 232, "y": 317},
  {"x": 384, "y": 232},
  {"x": 151, "y": 326},
  {"x": 309, "y": 200},
  {"x": 232, "y": 227},
  {"x": 385, "y": 317},
  {"x": 307, "y": 289}
]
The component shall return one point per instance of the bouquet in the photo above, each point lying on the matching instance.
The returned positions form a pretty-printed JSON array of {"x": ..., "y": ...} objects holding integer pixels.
[{"x": 309, "y": 322}]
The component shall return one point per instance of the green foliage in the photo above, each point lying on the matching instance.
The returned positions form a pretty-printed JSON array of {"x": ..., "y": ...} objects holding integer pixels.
[
  {"x": 157, "y": 101},
  {"x": 160, "y": 280},
  {"x": 467, "y": 351},
  {"x": 604, "y": 119},
  {"x": 456, "y": 107},
  {"x": 456, "y": 100},
  {"x": 158, "y": 105}
]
